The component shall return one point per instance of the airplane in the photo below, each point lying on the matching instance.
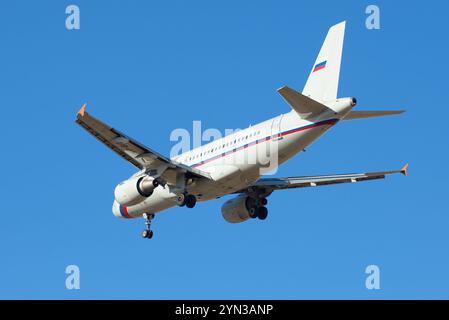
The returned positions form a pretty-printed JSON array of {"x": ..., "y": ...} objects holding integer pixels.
[{"x": 223, "y": 167}]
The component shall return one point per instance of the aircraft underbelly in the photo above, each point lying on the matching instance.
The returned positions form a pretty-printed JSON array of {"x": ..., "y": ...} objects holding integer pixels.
[
  {"x": 249, "y": 172},
  {"x": 291, "y": 145}
]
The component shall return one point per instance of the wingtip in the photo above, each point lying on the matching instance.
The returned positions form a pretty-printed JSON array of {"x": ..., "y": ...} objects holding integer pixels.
[
  {"x": 341, "y": 24},
  {"x": 404, "y": 170},
  {"x": 283, "y": 88},
  {"x": 82, "y": 110}
]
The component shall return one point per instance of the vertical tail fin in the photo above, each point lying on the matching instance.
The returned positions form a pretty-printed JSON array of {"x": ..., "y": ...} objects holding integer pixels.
[{"x": 322, "y": 84}]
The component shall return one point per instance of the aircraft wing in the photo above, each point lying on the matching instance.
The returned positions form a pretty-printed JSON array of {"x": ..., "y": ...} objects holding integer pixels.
[
  {"x": 132, "y": 151},
  {"x": 268, "y": 185}
]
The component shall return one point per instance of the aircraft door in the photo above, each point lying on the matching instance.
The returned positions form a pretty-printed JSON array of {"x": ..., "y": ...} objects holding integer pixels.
[{"x": 276, "y": 128}]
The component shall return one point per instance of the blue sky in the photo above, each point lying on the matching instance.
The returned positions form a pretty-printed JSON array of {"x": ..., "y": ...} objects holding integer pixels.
[{"x": 149, "y": 67}]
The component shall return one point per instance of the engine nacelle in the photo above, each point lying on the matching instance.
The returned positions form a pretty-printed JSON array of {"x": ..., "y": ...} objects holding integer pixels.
[
  {"x": 134, "y": 190},
  {"x": 236, "y": 210}
]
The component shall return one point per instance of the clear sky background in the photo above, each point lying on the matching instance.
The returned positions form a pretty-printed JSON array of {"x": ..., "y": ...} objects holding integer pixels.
[{"x": 149, "y": 67}]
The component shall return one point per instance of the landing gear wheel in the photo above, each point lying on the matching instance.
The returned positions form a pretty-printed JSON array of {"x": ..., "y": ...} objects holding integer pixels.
[
  {"x": 181, "y": 200},
  {"x": 263, "y": 213},
  {"x": 148, "y": 233},
  {"x": 190, "y": 201},
  {"x": 264, "y": 201},
  {"x": 253, "y": 212}
]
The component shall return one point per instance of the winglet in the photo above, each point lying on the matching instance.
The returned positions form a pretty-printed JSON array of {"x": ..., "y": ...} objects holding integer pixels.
[
  {"x": 82, "y": 110},
  {"x": 404, "y": 170}
]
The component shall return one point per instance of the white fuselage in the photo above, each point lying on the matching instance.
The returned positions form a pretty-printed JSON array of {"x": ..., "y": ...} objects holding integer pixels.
[{"x": 237, "y": 160}]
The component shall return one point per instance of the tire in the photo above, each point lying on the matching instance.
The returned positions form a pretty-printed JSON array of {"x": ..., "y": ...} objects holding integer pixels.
[
  {"x": 147, "y": 234},
  {"x": 190, "y": 201},
  {"x": 181, "y": 200},
  {"x": 264, "y": 201},
  {"x": 253, "y": 212},
  {"x": 263, "y": 213}
]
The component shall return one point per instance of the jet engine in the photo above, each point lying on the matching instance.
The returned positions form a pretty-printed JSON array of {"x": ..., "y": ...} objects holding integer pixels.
[
  {"x": 236, "y": 210},
  {"x": 135, "y": 190}
]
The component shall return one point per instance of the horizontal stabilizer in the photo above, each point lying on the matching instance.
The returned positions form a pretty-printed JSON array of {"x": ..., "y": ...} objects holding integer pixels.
[
  {"x": 371, "y": 114},
  {"x": 303, "y": 105}
]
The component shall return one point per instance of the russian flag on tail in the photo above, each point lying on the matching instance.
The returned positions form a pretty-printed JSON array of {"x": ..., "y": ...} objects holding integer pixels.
[{"x": 319, "y": 66}]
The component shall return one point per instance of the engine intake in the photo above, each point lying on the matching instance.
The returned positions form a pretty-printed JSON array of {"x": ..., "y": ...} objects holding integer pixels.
[{"x": 135, "y": 190}]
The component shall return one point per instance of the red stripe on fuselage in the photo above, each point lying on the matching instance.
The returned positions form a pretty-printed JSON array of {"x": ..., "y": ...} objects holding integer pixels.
[{"x": 282, "y": 134}]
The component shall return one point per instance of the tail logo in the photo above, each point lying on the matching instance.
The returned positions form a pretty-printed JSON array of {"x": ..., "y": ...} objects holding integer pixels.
[{"x": 320, "y": 66}]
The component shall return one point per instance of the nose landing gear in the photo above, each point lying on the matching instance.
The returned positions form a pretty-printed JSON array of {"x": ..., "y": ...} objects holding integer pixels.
[{"x": 148, "y": 233}]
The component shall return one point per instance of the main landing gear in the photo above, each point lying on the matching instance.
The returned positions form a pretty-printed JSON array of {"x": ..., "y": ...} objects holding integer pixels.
[
  {"x": 187, "y": 200},
  {"x": 258, "y": 212},
  {"x": 258, "y": 209},
  {"x": 148, "y": 233}
]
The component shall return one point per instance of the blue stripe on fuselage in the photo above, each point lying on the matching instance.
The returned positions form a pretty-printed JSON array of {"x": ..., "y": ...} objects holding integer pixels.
[{"x": 267, "y": 138}]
